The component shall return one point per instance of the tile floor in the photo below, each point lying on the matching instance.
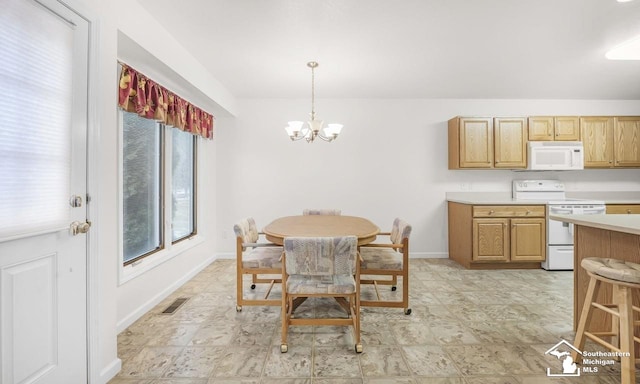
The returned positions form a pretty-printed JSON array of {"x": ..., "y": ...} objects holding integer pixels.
[{"x": 467, "y": 327}]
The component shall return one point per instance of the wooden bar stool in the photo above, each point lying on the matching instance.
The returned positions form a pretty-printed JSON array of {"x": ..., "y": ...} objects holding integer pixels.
[{"x": 624, "y": 276}]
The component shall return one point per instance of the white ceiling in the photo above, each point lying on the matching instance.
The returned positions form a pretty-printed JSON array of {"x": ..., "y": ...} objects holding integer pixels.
[{"x": 548, "y": 49}]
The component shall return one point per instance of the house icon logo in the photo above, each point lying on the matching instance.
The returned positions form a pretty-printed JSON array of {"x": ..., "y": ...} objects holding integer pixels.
[{"x": 562, "y": 351}]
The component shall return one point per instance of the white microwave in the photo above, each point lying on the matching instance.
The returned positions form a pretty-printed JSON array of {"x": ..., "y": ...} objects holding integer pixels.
[{"x": 555, "y": 155}]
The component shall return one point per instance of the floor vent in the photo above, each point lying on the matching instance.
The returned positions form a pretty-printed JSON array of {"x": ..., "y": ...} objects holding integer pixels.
[{"x": 175, "y": 305}]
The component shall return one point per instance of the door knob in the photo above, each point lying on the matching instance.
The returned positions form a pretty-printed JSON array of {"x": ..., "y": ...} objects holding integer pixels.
[{"x": 77, "y": 227}]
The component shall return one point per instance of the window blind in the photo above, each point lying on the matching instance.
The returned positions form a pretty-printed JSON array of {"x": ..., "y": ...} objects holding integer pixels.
[{"x": 35, "y": 118}]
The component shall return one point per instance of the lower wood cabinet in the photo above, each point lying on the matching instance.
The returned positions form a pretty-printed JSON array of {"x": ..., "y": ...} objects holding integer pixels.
[
  {"x": 623, "y": 209},
  {"x": 509, "y": 236}
]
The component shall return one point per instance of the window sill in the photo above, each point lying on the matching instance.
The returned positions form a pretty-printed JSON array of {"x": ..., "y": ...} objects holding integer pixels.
[{"x": 134, "y": 270}]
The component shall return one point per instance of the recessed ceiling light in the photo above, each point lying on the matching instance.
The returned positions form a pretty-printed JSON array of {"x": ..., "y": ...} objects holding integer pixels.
[
  {"x": 624, "y": 1},
  {"x": 629, "y": 50}
]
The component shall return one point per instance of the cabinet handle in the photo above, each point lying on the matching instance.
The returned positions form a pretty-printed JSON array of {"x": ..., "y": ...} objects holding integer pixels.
[
  {"x": 491, "y": 212},
  {"x": 628, "y": 211},
  {"x": 528, "y": 212}
]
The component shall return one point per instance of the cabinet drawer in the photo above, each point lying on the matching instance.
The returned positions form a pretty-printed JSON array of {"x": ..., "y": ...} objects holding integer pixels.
[
  {"x": 509, "y": 211},
  {"x": 623, "y": 208}
]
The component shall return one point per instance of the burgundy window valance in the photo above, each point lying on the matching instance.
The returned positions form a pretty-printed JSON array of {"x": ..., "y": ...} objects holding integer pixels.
[{"x": 141, "y": 95}]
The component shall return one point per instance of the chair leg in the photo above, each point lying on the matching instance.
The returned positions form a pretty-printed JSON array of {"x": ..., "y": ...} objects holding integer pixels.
[
  {"x": 286, "y": 302},
  {"x": 625, "y": 308},
  {"x": 239, "y": 289},
  {"x": 585, "y": 317}
]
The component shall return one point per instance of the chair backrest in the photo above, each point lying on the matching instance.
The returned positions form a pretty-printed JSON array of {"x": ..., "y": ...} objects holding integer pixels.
[
  {"x": 330, "y": 212},
  {"x": 399, "y": 231},
  {"x": 247, "y": 230},
  {"x": 320, "y": 256}
]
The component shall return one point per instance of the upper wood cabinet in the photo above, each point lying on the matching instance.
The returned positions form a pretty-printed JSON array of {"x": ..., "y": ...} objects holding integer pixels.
[
  {"x": 501, "y": 142},
  {"x": 549, "y": 128},
  {"x": 626, "y": 145},
  {"x": 510, "y": 140},
  {"x": 611, "y": 141},
  {"x": 471, "y": 142},
  {"x": 597, "y": 138},
  {"x": 485, "y": 142}
]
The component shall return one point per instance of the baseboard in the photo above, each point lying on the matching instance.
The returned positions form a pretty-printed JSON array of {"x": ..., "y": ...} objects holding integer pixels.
[
  {"x": 110, "y": 371},
  {"x": 225, "y": 256},
  {"x": 151, "y": 303},
  {"x": 428, "y": 255}
]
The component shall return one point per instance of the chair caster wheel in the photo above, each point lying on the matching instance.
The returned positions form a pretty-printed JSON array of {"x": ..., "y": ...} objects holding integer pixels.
[
  {"x": 394, "y": 288},
  {"x": 238, "y": 308},
  {"x": 283, "y": 348},
  {"x": 253, "y": 286},
  {"x": 358, "y": 348},
  {"x": 407, "y": 311}
]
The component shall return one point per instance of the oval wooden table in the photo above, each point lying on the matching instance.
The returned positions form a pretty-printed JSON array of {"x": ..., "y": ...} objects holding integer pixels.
[{"x": 321, "y": 226}]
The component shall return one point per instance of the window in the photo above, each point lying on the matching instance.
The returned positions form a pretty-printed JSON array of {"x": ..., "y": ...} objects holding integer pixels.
[{"x": 158, "y": 187}]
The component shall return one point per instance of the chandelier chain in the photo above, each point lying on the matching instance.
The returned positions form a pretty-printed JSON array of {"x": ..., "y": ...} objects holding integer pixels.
[{"x": 313, "y": 92}]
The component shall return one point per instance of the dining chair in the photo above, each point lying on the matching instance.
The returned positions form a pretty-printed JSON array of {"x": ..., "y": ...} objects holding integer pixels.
[
  {"x": 392, "y": 259},
  {"x": 330, "y": 212},
  {"x": 315, "y": 267},
  {"x": 255, "y": 259}
]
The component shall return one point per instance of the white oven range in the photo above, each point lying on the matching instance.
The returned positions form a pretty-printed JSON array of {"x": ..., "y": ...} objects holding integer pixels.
[{"x": 559, "y": 234}]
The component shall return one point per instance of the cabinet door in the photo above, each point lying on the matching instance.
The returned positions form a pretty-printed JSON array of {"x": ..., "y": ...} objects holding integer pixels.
[
  {"x": 510, "y": 142},
  {"x": 541, "y": 128},
  {"x": 476, "y": 142},
  {"x": 491, "y": 239},
  {"x": 623, "y": 209},
  {"x": 528, "y": 239},
  {"x": 567, "y": 128},
  {"x": 627, "y": 141},
  {"x": 597, "y": 138}
]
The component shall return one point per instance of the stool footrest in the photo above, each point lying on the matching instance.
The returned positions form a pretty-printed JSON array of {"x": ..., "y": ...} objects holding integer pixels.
[
  {"x": 607, "y": 309},
  {"x": 601, "y": 342},
  {"x": 604, "y": 333}
]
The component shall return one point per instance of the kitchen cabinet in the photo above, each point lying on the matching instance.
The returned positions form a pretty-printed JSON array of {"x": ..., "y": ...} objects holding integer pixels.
[
  {"x": 497, "y": 236},
  {"x": 626, "y": 145},
  {"x": 623, "y": 209},
  {"x": 550, "y": 128},
  {"x": 597, "y": 138},
  {"x": 486, "y": 143},
  {"x": 501, "y": 142},
  {"x": 510, "y": 142},
  {"x": 470, "y": 142},
  {"x": 611, "y": 141}
]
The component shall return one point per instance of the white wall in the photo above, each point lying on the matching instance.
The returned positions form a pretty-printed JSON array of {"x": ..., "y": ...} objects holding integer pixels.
[
  {"x": 390, "y": 161},
  {"x": 166, "y": 61}
]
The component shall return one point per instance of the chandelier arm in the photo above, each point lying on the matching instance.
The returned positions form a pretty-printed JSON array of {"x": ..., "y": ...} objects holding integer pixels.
[{"x": 325, "y": 138}]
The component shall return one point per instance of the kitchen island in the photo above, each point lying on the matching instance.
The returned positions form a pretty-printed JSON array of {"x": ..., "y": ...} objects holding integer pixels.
[{"x": 609, "y": 236}]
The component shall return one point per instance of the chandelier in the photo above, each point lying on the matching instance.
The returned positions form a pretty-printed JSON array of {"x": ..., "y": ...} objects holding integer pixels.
[{"x": 296, "y": 129}]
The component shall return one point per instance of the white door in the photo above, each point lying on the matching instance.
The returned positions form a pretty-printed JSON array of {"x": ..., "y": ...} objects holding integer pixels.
[{"x": 43, "y": 131}]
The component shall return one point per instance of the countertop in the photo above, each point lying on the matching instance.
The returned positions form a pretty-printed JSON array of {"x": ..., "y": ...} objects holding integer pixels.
[
  {"x": 619, "y": 223},
  {"x": 504, "y": 198}
]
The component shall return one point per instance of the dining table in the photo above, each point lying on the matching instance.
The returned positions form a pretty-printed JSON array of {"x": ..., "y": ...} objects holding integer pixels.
[{"x": 321, "y": 226}]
